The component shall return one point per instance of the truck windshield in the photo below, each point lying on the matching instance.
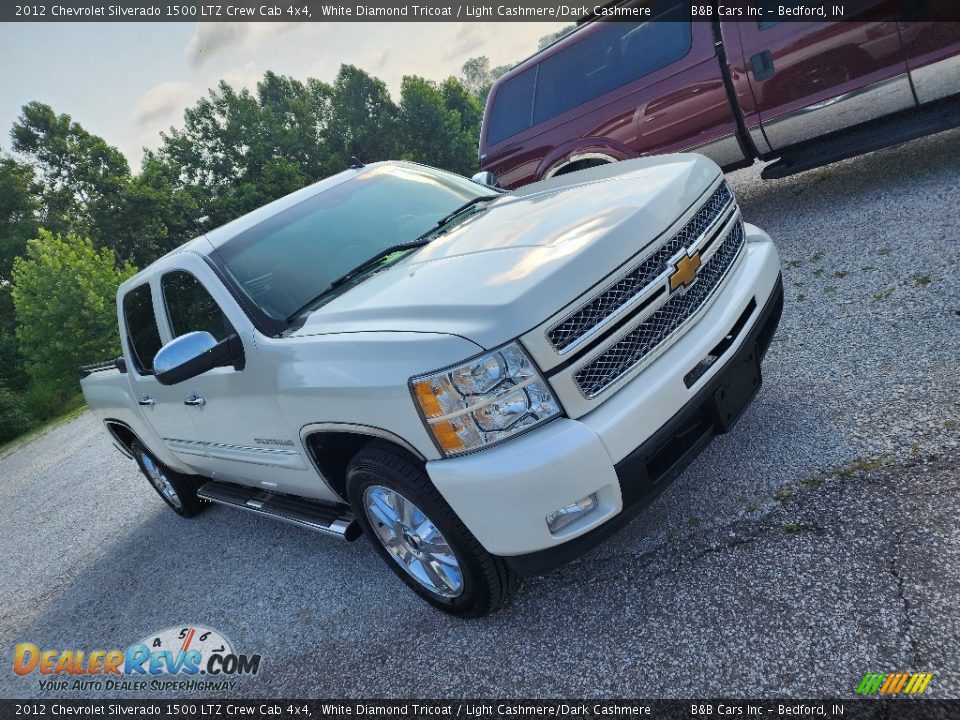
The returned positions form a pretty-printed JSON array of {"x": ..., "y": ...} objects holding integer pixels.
[{"x": 284, "y": 261}]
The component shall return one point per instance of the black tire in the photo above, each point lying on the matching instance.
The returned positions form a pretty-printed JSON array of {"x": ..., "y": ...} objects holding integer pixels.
[
  {"x": 182, "y": 496},
  {"x": 487, "y": 581}
]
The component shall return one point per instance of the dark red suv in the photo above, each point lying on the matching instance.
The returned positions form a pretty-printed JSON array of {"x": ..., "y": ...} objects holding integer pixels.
[{"x": 805, "y": 92}]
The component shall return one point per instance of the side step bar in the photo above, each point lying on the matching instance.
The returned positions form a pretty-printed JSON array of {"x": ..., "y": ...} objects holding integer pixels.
[
  {"x": 900, "y": 127},
  {"x": 335, "y": 520}
]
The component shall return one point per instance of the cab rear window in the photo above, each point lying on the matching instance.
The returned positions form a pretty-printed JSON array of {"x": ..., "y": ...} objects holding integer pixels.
[
  {"x": 143, "y": 337},
  {"x": 600, "y": 61}
]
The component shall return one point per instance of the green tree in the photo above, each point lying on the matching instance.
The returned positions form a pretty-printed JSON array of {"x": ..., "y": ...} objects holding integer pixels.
[
  {"x": 477, "y": 76},
  {"x": 431, "y": 132},
  {"x": 14, "y": 418},
  {"x": 363, "y": 119},
  {"x": 18, "y": 211},
  {"x": 82, "y": 178},
  {"x": 554, "y": 36},
  {"x": 64, "y": 294}
]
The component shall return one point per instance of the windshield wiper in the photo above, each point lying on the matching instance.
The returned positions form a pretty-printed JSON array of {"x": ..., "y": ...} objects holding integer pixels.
[
  {"x": 358, "y": 270},
  {"x": 466, "y": 206}
]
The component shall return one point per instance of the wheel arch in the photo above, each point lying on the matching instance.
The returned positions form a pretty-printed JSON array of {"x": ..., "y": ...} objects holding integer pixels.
[
  {"x": 331, "y": 447},
  {"x": 579, "y": 162},
  {"x": 123, "y": 436}
]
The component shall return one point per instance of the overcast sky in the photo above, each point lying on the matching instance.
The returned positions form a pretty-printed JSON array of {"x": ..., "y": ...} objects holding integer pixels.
[{"x": 128, "y": 81}]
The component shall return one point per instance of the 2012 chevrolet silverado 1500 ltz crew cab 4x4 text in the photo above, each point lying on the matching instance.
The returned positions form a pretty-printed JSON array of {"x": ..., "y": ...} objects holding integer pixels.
[{"x": 485, "y": 383}]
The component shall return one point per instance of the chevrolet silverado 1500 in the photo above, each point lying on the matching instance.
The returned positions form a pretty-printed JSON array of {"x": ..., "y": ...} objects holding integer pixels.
[{"x": 485, "y": 383}]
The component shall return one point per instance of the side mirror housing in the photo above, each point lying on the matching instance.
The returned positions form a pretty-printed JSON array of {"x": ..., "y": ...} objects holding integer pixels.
[
  {"x": 193, "y": 354},
  {"x": 485, "y": 178}
]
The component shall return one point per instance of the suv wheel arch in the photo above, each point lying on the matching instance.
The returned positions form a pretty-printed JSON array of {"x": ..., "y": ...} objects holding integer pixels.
[{"x": 580, "y": 161}]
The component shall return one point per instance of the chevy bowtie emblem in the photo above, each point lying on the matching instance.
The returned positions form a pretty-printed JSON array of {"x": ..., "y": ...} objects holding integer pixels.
[{"x": 685, "y": 271}]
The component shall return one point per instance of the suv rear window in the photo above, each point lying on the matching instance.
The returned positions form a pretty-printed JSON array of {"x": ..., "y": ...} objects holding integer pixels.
[
  {"x": 609, "y": 57},
  {"x": 143, "y": 337}
]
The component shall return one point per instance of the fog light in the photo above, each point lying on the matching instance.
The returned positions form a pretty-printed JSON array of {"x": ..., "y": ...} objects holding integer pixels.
[{"x": 566, "y": 516}]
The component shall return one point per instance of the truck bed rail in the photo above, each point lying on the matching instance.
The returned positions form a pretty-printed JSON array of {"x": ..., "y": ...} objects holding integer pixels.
[{"x": 118, "y": 363}]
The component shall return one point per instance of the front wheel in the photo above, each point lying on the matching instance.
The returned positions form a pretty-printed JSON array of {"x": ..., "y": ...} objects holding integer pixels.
[
  {"x": 177, "y": 490},
  {"x": 421, "y": 538}
]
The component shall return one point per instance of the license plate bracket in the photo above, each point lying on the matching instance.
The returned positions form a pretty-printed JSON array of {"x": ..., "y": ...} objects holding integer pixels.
[{"x": 740, "y": 381}]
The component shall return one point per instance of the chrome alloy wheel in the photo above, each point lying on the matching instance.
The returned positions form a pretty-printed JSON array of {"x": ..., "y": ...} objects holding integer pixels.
[
  {"x": 411, "y": 538},
  {"x": 160, "y": 481}
]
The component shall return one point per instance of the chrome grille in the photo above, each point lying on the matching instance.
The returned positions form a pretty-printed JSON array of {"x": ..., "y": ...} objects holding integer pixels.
[
  {"x": 621, "y": 357},
  {"x": 582, "y": 321}
]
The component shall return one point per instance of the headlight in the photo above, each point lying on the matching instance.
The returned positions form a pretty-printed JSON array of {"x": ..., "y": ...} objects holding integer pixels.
[{"x": 487, "y": 399}]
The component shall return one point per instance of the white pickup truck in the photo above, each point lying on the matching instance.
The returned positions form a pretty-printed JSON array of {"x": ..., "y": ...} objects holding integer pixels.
[{"x": 486, "y": 383}]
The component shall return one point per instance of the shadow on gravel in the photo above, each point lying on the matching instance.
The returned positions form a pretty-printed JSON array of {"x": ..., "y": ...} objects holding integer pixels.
[{"x": 927, "y": 160}]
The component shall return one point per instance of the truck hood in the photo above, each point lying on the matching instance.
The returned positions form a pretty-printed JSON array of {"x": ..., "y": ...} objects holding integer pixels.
[{"x": 525, "y": 256}]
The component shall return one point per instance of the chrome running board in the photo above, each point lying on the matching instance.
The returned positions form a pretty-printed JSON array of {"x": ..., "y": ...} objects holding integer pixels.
[{"x": 335, "y": 520}]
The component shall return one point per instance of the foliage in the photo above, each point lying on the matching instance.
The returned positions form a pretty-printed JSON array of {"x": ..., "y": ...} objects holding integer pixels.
[
  {"x": 478, "y": 76},
  {"x": 82, "y": 179},
  {"x": 14, "y": 418},
  {"x": 18, "y": 208},
  {"x": 433, "y": 132},
  {"x": 91, "y": 220},
  {"x": 65, "y": 299},
  {"x": 553, "y": 37}
]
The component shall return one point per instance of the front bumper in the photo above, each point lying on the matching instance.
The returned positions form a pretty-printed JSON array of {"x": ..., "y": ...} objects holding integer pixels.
[{"x": 629, "y": 448}]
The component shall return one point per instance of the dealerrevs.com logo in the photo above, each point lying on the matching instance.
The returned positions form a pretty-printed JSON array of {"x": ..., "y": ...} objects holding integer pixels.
[{"x": 184, "y": 658}]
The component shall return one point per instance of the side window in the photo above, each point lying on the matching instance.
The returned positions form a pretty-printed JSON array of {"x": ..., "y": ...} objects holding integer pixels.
[
  {"x": 143, "y": 337},
  {"x": 191, "y": 308},
  {"x": 614, "y": 54},
  {"x": 512, "y": 107}
]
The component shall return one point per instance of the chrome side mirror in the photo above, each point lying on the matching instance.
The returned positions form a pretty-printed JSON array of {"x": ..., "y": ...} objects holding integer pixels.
[
  {"x": 485, "y": 178},
  {"x": 192, "y": 354}
]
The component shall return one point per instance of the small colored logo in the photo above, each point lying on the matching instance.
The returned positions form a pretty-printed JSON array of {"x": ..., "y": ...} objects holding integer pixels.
[
  {"x": 894, "y": 683},
  {"x": 685, "y": 271},
  {"x": 187, "y": 651}
]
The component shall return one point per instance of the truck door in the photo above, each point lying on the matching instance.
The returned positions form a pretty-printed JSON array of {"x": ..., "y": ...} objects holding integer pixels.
[
  {"x": 234, "y": 412},
  {"x": 160, "y": 405},
  {"x": 932, "y": 47},
  {"x": 813, "y": 78}
]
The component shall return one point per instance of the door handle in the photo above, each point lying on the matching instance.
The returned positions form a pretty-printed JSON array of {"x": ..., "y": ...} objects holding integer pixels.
[
  {"x": 194, "y": 400},
  {"x": 146, "y": 401},
  {"x": 762, "y": 64}
]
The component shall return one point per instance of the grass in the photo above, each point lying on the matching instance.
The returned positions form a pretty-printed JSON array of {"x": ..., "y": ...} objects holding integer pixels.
[
  {"x": 792, "y": 527},
  {"x": 921, "y": 280},
  {"x": 866, "y": 464},
  {"x": 815, "y": 481},
  {"x": 818, "y": 272},
  {"x": 74, "y": 409},
  {"x": 883, "y": 294},
  {"x": 784, "y": 493},
  {"x": 817, "y": 256}
]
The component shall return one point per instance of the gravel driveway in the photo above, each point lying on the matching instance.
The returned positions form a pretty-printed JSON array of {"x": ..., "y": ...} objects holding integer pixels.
[{"x": 816, "y": 542}]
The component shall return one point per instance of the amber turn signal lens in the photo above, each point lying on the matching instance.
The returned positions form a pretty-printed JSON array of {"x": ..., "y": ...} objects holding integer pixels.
[
  {"x": 428, "y": 400},
  {"x": 447, "y": 436}
]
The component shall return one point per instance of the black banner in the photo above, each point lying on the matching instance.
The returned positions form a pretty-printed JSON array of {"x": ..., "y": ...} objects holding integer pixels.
[
  {"x": 762, "y": 11},
  {"x": 698, "y": 709}
]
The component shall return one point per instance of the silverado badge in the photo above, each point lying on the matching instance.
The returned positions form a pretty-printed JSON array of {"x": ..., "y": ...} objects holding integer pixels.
[{"x": 684, "y": 271}]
